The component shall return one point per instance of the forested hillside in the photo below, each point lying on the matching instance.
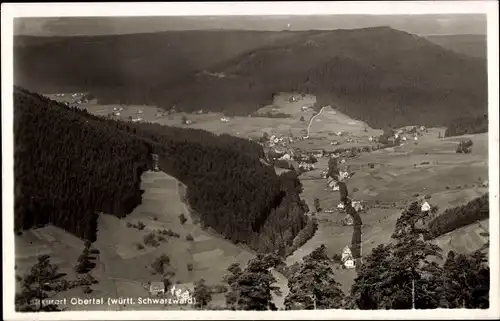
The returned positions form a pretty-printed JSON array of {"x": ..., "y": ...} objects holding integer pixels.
[
  {"x": 470, "y": 125},
  {"x": 456, "y": 217},
  {"x": 471, "y": 45},
  {"x": 129, "y": 67},
  {"x": 70, "y": 165},
  {"x": 379, "y": 75},
  {"x": 68, "y": 168}
]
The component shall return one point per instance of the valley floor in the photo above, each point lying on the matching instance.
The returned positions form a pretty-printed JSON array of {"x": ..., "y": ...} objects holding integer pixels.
[{"x": 398, "y": 176}]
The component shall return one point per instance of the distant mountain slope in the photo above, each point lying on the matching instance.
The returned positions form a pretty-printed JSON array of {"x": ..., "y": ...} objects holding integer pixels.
[
  {"x": 379, "y": 75},
  {"x": 136, "y": 62},
  {"x": 472, "y": 45},
  {"x": 70, "y": 165}
]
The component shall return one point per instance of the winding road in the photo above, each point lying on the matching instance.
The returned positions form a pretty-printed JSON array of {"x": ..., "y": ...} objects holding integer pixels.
[{"x": 311, "y": 121}]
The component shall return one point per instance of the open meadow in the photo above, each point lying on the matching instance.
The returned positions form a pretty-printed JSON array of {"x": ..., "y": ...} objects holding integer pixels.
[
  {"x": 400, "y": 175},
  {"x": 123, "y": 266},
  {"x": 387, "y": 179}
]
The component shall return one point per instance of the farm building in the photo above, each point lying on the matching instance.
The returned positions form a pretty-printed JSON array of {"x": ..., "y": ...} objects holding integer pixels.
[
  {"x": 343, "y": 175},
  {"x": 357, "y": 205},
  {"x": 304, "y": 108},
  {"x": 425, "y": 207},
  {"x": 224, "y": 120},
  {"x": 306, "y": 166},
  {"x": 347, "y": 258},
  {"x": 333, "y": 185},
  {"x": 285, "y": 157},
  {"x": 341, "y": 206},
  {"x": 370, "y": 138},
  {"x": 318, "y": 153}
]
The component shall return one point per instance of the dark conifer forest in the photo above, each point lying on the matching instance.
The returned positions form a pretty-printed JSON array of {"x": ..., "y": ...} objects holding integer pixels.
[
  {"x": 456, "y": 217},
  {"x": 379, "y": 75},
  {"x": 467, "y": 125},
  {"x": 68, "y": 168},
  {"x": 71, "y": 165}
]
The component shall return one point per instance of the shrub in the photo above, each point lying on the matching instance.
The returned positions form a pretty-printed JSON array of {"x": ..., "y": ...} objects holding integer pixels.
[
  {"x": 190, "y": 267},
  {"x": 317, "y": 204},
  {"x": 140, "y": 226},
  {"x": 189, "y": 237},
  {"x": 139, "y": 246},
  {"x": 150, "y": 239},
  {"x": 337, "y": 258},
  {"x": 87, "y": 290},
  {"x": 161, "y": 238},
  {"x": 355, "y": 189},
  {"x": 128, "y": 224},
  {"x": 371, "y": 165},
  {"x": 94, "y": 251},
  {"x": 182, "y": 218},
  {"x": 159, "y": 264}
]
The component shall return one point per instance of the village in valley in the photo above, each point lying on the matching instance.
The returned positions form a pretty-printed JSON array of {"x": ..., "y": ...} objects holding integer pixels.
[
  {"x": 309, "y": 142},
  {"x": 251, "y": 169}
]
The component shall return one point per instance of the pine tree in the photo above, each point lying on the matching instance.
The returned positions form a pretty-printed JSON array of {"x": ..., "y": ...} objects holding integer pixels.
[
  {"x": 466, "y": 281},
  {"x": 313, "y": 286},
  {"x": 405, "y": 276},
  {"x": 333, "y": 169},
  {"x": 41, "y": 279},
  {"x": 202, "y": 294},
  {"x": 251, "y": 288}
]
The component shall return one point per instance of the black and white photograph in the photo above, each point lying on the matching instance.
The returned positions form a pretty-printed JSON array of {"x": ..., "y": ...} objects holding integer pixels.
[{"x": 335, "y": 160}]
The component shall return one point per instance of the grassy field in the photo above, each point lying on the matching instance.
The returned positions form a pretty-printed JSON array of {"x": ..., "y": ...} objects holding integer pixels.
[
  {"x": 399, "y": 176},
  {"x": 467, "y": 239},
  {"x": 392, "y": 176},
  {"x": 123, "y": 269}
]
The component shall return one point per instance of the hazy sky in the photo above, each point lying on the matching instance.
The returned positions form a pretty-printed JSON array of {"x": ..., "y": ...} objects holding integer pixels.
[{"x": 417, "y": 24}]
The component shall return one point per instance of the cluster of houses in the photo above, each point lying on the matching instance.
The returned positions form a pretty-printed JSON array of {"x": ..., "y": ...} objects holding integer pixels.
[
  {"x": 117, "y": 111},
  {"x": 413, "y": 133}
]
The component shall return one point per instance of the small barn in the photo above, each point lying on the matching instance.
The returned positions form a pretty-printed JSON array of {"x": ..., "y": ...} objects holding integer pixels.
[{"x": 425, "y": 207}]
